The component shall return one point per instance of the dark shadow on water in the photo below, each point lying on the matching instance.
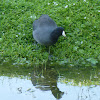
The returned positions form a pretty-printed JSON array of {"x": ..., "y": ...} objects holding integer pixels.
[{"x": 46, "y": 79}]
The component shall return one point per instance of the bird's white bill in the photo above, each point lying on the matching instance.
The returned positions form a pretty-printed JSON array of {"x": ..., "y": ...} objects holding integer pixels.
[{"x": 63, "y": 33}]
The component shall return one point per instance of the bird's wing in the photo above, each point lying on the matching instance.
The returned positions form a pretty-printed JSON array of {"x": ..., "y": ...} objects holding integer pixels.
[
  {"x": 47, "y": 21},
  {"x": 35, "y": 24},
  {"x": 44, "y": 22}
]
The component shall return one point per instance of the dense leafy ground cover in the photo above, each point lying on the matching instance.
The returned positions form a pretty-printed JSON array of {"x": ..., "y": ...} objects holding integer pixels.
[{"x": 80, "y": 19}]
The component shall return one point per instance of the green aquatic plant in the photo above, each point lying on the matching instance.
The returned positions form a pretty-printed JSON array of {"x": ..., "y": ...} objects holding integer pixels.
[{"x": 79, "y": 18}]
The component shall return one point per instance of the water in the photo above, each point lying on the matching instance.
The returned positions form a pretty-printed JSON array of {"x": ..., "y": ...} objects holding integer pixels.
[{"x": 49, "y": 83}]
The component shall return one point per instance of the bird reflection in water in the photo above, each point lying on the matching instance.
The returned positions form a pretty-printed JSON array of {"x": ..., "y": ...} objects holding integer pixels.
[{"x": 46, "y": 79}]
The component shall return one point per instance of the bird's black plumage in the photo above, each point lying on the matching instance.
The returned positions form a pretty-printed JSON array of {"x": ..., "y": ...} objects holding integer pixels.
[{"x": 45, "y": 30}]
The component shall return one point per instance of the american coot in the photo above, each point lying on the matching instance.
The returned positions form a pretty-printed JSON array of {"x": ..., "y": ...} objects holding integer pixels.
[{"x": 45, "y": 31}]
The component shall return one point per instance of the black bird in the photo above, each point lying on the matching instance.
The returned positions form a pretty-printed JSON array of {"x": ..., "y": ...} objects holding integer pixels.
[{"x": 45, "y": 31}]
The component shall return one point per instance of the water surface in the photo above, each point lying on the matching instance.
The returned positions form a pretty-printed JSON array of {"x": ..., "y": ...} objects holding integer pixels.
[{"x": 49, "y": 83}]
